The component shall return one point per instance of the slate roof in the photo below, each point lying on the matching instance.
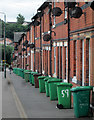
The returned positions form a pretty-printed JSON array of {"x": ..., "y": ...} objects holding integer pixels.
[{"x": 17, "y": 36}]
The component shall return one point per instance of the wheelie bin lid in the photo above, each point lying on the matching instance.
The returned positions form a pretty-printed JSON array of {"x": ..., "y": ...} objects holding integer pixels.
[
  {"x": 64, "y": 84},
  {"x": 81, "y": 88},
  {"x": 33, "y": 73},
  {"x": 42, "y": 77},
  {"x": 27, "y": 72},
  {"x": 37, "y": 74},
  {"x": 48, "y": 78},
  {"x": 54, "y": 80}
]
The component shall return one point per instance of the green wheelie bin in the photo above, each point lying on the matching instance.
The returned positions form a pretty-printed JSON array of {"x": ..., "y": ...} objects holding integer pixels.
[
  {"x": 22, "y": 73},
  {"x": 46, "y": 84},
  {"x": 52, "y": 83},
  {"x": 13, "y": 70},
  {"x": 18, "y": 73},
  {"x": 32, "y": 78},
  {"x": 20, "y": 70},
  {"x": 42, "y": 84},
  {"x": 26, "y": 75},
  {"x": 81, "y": 100},
  {"x": 64, "y": 94}
]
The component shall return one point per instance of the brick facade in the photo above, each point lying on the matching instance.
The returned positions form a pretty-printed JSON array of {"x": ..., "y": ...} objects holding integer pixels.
[{"x": 81, "y": 46}]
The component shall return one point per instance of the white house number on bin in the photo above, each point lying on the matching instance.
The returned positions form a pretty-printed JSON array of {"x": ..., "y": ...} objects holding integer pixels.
[{"x": 65, "y": 92}]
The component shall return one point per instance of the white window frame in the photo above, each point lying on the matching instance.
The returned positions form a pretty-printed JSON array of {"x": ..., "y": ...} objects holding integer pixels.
[
  {"x": 32, "y": 60},
  {"x": 66, "y": 64},
  {"x": 65, "y": 13},
  {"x": 54, "y": 60},
  {"x": 66, "y": 56}
]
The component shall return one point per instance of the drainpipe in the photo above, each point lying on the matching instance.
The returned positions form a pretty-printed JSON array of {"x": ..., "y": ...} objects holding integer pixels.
[
  {"x": 23, "y": 55},
  {"x": 50, "y": 8},
  {"x": 26, "y": 54},
  {"x": 40, "y": 46},
  {"x": 34, "y": 48},
  {"x": 29, "y": 51},
  {"x": 68, "y": 45}
]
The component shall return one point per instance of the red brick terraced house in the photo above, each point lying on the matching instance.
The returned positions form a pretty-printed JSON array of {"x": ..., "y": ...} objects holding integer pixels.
[
  {"x": 81, "y": 44},
  {"x": 17, "y": 49},
  {"x": 49, "y": 35}
]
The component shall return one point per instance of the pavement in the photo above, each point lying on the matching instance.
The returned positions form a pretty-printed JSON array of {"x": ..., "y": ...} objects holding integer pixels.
[
  {"x": 22, "y": 100},
  {"x": 9, "y": 109}
]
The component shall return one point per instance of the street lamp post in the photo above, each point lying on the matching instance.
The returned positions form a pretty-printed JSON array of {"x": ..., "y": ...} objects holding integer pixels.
[
  {"x": 50, "y": 7},
  {"x": 4, "y": 43}
]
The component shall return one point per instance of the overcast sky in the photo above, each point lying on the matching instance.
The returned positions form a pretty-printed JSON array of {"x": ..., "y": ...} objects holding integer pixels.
[{"x": 25, "y": 7}]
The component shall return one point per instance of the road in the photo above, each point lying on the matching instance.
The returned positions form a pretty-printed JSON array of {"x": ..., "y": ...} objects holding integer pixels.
[{"x": 22, "y": 100}]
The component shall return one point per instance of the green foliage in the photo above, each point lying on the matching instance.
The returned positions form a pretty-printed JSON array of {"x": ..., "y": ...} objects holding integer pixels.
[
  {"x": 13, "y": 27},
  {"x": 20, "y": 19},
  {"x": 9, "y": 50},
  {"x": 1, "y": 28}
]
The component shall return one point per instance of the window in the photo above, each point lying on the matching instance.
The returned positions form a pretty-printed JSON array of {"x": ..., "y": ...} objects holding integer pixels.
[{"x": 65, "y": 13}]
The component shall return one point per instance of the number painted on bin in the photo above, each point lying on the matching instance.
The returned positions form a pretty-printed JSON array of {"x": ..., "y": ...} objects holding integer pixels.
[{"x": 65, "y": 92}]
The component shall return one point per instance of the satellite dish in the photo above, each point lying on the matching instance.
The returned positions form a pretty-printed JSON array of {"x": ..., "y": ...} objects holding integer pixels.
[
  {"x": 92, "y": 5},
  {"x": 32, "y": 45},
  {"x": 56, "y": 11},
  {"x": 23, "y": 44},
  {"x": 76, "y": 12},
  {"x": 23, "y": 49},
  {"x": 27, "y": 45},
  {"x": 46, "y": 37},
  {"x": 36, "y": 23},
  {"x": 26, "y": 42}
]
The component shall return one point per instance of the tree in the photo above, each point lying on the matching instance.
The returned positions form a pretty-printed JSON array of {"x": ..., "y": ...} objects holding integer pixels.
[
  {"x": 9, "y": 50},
  {"x": 20, "y": 19},
  {"x": 1, "y": 28},
  {"x": 13, "y": 27}
]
